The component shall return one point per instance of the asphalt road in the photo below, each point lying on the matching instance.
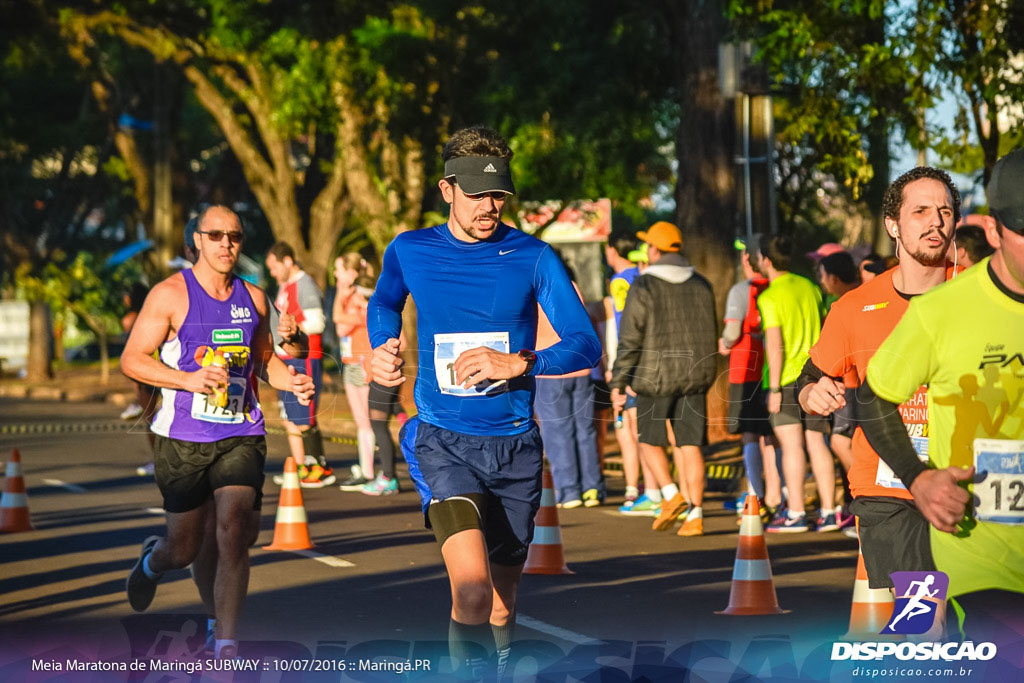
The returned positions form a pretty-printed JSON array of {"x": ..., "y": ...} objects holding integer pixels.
[{"x": 376, "y": 574}]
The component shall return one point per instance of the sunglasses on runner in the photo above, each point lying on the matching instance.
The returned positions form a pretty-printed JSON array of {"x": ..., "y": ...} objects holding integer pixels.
[
  {"x": 218, "y": 235},
  {"x": 496, "y": 196}
]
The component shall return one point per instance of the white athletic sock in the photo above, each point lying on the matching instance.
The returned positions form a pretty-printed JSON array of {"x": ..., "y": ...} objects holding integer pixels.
[
  {"x": 221, "y": 644},
  {"x": 366, "y": 445},
  {"x": 653, "y": 494},
  {"x": 669, "y": 491},
  {"x": 632, "y": 492},
  {"x": 825, "y": 512},
  {"x": 695, "y": 513}
]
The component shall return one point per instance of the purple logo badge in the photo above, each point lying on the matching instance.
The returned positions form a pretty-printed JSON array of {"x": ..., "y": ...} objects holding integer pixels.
[{"x": 918, "y": 595}]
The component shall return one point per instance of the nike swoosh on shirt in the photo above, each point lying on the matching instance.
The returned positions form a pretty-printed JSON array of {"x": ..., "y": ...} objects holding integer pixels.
[{"x": 502, "y": 253}]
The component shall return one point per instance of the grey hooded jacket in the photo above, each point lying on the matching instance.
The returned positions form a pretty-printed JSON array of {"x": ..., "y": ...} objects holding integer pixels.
[{"x": 669, "y": 332}]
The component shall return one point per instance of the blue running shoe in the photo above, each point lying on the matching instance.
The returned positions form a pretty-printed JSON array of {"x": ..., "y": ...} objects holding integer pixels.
[
  {"x": 641, "y": 507},
  {"x": 827, "y": 523},
  {"x": 784, "y": 524}
]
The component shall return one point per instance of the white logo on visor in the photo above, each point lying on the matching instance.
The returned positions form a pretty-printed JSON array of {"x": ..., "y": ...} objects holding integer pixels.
[{"x": 489, "y": 168}]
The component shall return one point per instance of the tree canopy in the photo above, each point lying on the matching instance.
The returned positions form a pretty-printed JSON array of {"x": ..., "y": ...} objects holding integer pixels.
[{"x": 336, "y": 111}]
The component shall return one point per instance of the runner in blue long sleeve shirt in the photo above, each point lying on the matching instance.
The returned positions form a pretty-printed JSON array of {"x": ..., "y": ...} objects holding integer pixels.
[{"x": 476, "y": 283}]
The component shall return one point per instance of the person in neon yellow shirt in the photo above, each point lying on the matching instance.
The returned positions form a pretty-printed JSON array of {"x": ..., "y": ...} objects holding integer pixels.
[
  {"x": 958, "y": 339},
  {"x": 791, "y": 311}
]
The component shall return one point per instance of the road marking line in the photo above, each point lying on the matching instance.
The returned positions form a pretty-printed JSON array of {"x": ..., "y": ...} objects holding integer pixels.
[
  {"x": 155, "y": 511},
  {"x": 74, "y": 488},
  {"x": 329, "y": 560},
  {"x": 556, "y": 631}
]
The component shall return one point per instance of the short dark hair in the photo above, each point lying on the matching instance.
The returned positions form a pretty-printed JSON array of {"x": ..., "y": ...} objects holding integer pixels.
[
  {"x": 206, "y": 209},
  {"x": 972, "y": 238},
  {"x": 841, "y": 265},
  {"x": 622, "y": 243},
  {"x": 476, "y": 141},
  {"x": 873, "y": 263},
  {"x": 892, "y": 202},
  {"x": 779, "y": 249},
  {"x": 280, "y": 250}
]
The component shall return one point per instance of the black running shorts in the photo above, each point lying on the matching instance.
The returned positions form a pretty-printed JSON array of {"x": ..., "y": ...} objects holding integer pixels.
[
  {"x": 686, "y": 412},
  {"x": 748, "y": 409},
  {"x": 188, "y": 472},
  {"x": 894, "y": 536}
]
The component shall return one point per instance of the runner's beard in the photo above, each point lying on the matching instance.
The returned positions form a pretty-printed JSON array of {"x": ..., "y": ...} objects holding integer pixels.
[
  {"x": 476, "y": 234},
  {"x": 927, "y": 258}
]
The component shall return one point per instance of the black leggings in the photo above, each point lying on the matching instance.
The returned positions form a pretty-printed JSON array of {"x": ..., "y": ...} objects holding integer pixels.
[
  {"x": 385, "y": 446},
  {"x": 383, "y": 403}
]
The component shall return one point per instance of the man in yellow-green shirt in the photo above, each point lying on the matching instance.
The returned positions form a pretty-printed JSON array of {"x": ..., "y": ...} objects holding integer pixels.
[
  {"x": 791, "y": 317},
  {"x": 965, "y": 341}
]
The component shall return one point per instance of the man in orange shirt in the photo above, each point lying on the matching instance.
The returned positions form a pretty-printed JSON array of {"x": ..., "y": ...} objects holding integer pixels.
[{"x": 921, "y": 207}]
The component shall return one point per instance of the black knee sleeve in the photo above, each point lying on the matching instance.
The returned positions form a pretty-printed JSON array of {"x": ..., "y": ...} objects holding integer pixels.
[{"x": 452, "y": 515}]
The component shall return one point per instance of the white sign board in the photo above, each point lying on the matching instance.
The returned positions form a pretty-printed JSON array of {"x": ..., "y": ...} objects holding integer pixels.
[{"x": 14, "y": 325}]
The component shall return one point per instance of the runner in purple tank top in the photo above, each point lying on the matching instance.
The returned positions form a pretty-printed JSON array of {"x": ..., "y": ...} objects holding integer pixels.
[{"x": 212, "y": 331}]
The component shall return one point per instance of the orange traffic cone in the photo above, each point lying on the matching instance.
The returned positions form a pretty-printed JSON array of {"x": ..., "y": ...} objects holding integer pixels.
[
  {"x": 871, "y": 608},
  {"x": 14, "y": 502},
  {"x": 290, "y": 529},
  {"x": 753, "y": 591},
  {"x": 545, "y": 553}
]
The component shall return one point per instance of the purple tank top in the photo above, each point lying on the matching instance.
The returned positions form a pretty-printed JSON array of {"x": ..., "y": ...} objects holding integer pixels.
[{"x": 211, "y": 325}]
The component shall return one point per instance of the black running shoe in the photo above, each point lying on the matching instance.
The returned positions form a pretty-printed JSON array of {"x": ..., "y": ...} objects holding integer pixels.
[{"x": 140, "y": 587}]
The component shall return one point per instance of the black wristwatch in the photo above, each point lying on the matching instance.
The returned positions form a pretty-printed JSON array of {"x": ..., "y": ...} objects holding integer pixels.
[{"x": 531, "y": 359}]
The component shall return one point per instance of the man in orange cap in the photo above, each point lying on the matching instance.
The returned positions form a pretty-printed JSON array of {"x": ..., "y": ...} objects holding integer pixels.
[{"x": 667, "y": 346}]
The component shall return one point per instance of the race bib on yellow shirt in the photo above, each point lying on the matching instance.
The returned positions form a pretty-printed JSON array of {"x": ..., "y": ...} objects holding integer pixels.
[
  {"x": 447, "y": 349},
  {"x": 999, "y": 480}
]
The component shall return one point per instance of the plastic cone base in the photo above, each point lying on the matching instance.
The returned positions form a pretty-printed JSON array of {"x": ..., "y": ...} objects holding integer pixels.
[
  {"x": 871, "y": 609},
  {"x": 545, "y": 553},
  {"x": 291, "y": 531},
  {"x": 753, "y": 590},
  {"x": 14, "y": 516}
]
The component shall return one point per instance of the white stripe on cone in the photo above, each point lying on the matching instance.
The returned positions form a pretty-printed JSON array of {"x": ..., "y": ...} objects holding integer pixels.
[
  {"x": 751, "y": 526},
  {"x": 547, "y": 535},
  {"x": 863, "y": 592},
  {"x": 752, "y": 570},
  {"x": 547, "y": 498},
  {"x": 13, "y": 500},
  {"x": 290, "y": 515}
]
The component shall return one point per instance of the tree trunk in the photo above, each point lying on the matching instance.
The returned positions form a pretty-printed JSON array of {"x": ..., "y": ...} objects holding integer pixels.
[
  {"x": 705, "y": 187},
  {"x": 38, "y": 366},
  {"x": 58, "y": 339},
  {"x": 101, "y": 339},
  {"x": 878, "y": 154}
]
